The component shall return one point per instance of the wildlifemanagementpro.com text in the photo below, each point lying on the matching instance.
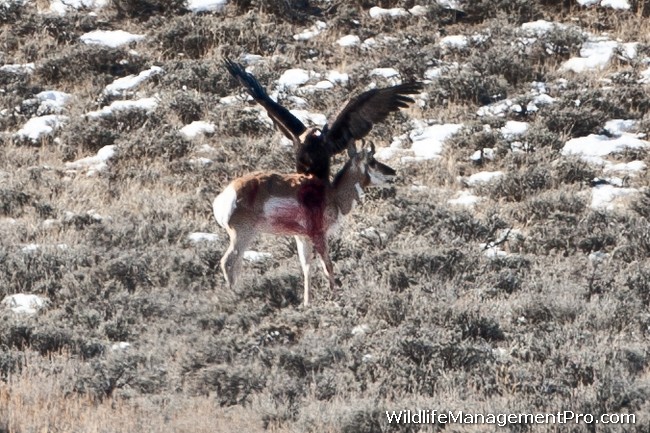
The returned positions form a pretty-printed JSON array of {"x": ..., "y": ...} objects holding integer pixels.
[{"x": 425, "y": 416}]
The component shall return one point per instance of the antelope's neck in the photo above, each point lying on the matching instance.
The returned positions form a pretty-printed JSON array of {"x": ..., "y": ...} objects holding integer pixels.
[{"x": 348, "y": 190}]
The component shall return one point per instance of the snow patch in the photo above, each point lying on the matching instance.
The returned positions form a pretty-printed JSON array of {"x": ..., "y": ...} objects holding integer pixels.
[
  {"x": 93, "y": 164},
  {"x": 618, "y": 127},
  {"x": 596, "y": 54},
  {"x": 110, "y": 38},
  {"x": 200, "y": 161},
  {"x": 121, "y": 85},
  {"x": 377, "y": 12},
  {"x": 17, "y": 69},
  {"x": 30, "y": 248},
  {"x": 540, "y": 27},
  {"x": 206, "y": 5},
  {"x": 513, "y": 129},
  {"x": 433, "y": 73},
  {"x": 120, "y": 346},
  {"x": 385, "y": 72},
  {"x": 311, "y": 32},
  {"x": 38, "y": 127},
  {"x": 464, "y": 198},
  {"x": 310, "y": 118},
  {"x": 292, "y": 78},
  {"x": 196, "y": 128},
  {"x": 630, "y": 168},
  {"x": 418, "y": 11},
  {"x": 360, "y": 330},
  {"x": 454, "y": 41},
  {"x": 428, "y": 141},
  {"x": 229, "y": 100},
  {"x": 450, "y": 4},
  {"x": 22, "y": 303},
  {"x": 499, "y": 109},
  {"x": 614, "y": 4},
  {"x": 480, "y": 155},
  {"x": 483, "y": 177},
  {"x": 49, "y": 102},
  {"x": 593, "y": 148},
  {"x": 349, "y": 41},
  {"x": 198, "y": 237},
  {"x": 610, "y": 197},
  {"x": 146, "y": 104},
  {"x": 492, "y": 251},
  {"x": 539, "y": 100},
  {"x": 256, "y": 256},
  {"x": 337, "y": 77},
  {"x": 311, "y": 88}
]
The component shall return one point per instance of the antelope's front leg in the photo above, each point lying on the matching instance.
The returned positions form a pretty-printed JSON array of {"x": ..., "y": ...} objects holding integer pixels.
[{"x": 306, "y": 254}]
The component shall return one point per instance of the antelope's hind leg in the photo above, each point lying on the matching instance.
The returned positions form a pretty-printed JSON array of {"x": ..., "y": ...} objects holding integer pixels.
[
  {"x": 306, "y": 255},
  {"x": 324, "y": 255},
  {"x": 232, "y": 258}
]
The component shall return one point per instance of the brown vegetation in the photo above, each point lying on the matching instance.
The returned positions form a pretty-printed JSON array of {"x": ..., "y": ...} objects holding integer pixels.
[{"x": 427, "y": 320}]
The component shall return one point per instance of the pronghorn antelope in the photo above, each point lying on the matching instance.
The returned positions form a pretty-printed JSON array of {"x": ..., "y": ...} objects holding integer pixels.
[
  {"x": 301, "y": 205},
  {"x": 314, "y": 146}
]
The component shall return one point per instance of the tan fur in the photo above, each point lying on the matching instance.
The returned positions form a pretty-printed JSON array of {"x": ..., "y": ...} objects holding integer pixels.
[{"x": 290, "y": 204}]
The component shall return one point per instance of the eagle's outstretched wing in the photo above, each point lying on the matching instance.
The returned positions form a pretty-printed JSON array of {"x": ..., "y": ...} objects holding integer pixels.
[
  {"x": 289, "y": 124},
  {"x": 359, "y": 115}
]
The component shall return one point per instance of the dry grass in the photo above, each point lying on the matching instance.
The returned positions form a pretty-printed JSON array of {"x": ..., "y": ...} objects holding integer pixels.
[
  {"x": 38, "y": 399},
  {"x": 426, "y": 320}
]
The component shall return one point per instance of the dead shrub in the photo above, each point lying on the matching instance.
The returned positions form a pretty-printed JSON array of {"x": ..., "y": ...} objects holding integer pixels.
[
  {"x": 517, "y": 186},
  {"x": 12, "y": 201},
  {"x": 574, "y": 121},
  {"x": 203, "y": 76},
  {"x": 464, "y": 356},
  {"x": 517, "y": 11},
  {"x": 145, "y": 9},
  {"x": 539, "y": 137},
  {"x": 392, "y": 309},
  {"x": 561, "y": 41},
  {"x": 470, "y": 85},
  {"x": 474, "y": 137},
  {"x": 276, "y": 289},
  {"x": 363, "y": 421},
  {"x": 642, "y": 204},
  {"x": 190, "y": 36},
  {"x": 571, "y": 170},
  {"x": 620, "y": 394},
  {"x": 85, "y": 136},
  {"x": 510, "y": 63},
  {"x": 11, "y": 12},
  {"x": 11, "y": 363},
  {"x": 188, "y": 107},
  {"x": 231, "y": 386},
  {"x": 92, "y": 63}
]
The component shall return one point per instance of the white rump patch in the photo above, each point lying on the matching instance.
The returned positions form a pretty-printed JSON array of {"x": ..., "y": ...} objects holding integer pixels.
[{"x": 224, "y": 205}]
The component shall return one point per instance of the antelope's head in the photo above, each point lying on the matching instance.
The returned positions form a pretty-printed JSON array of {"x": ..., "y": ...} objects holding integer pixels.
[{"x": 374, "y": 172}]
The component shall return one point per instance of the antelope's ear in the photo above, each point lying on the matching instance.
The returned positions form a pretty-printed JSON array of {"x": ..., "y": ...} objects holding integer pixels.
[{"x": 369, "y": 148}]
